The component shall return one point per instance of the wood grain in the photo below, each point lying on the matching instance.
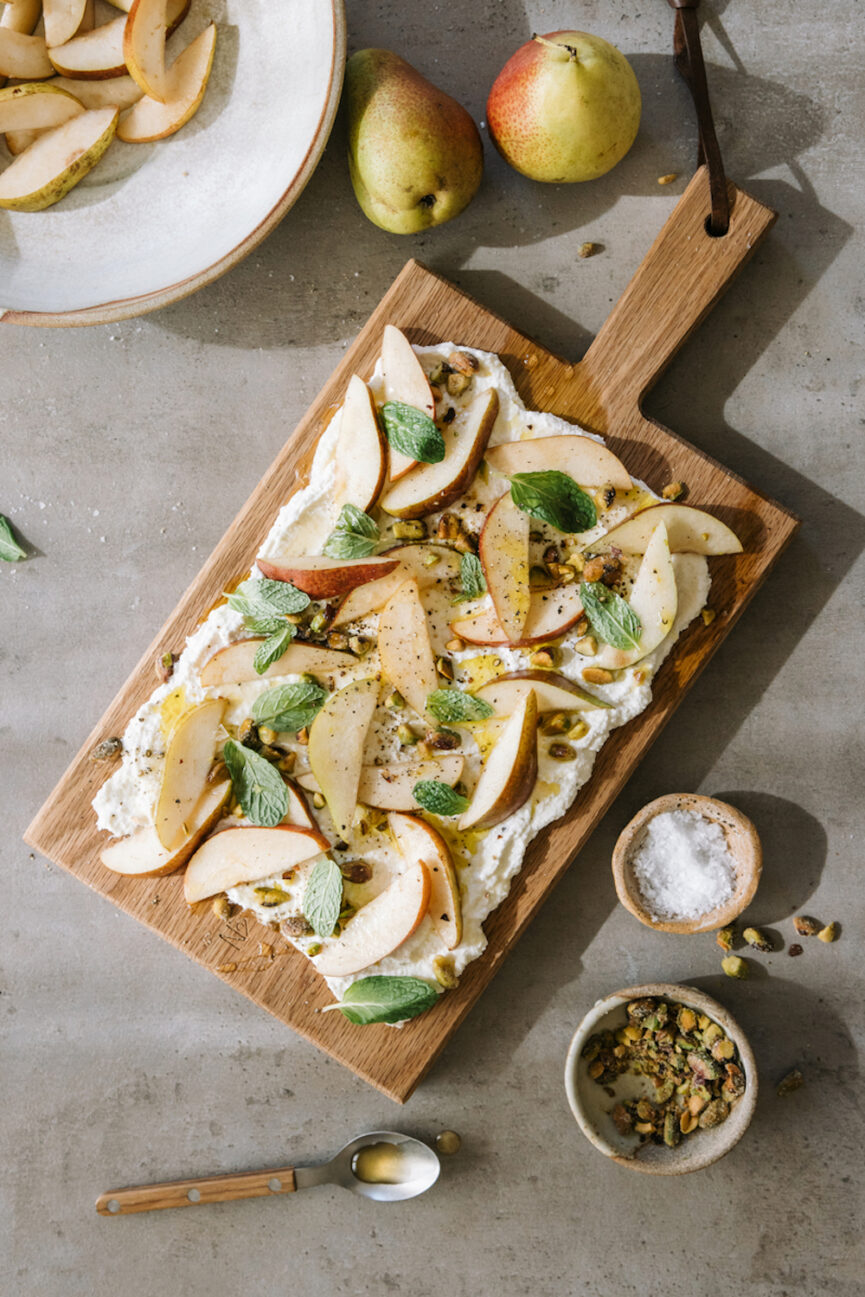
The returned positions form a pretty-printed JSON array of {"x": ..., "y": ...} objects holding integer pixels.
[
  {"x": 681, "y": 277},
  {"x": 203, "y": 1189}
]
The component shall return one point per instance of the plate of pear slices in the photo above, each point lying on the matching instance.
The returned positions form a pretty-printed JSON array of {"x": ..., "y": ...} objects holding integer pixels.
[{"x": 146, "y": 146}]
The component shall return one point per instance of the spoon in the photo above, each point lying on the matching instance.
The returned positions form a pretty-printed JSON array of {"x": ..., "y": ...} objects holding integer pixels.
[{"x": 382, "y": 1165}]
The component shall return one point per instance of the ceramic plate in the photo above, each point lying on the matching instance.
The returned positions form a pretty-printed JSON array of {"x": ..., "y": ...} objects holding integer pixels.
[{"x": 154, "y": 222}]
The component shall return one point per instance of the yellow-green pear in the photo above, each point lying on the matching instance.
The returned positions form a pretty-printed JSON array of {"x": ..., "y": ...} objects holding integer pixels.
[
  {"x": 565, "y": 107},
  {"x": 414, "y": 154}
]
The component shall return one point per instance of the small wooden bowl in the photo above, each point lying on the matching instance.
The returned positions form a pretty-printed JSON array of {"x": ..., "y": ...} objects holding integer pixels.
[
  {"x": 589, "y": 1101},
  {"x": 742, "y": 840}
]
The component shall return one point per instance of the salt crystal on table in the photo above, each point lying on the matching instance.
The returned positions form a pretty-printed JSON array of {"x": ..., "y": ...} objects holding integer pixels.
[{"x": 683, "y": 866}]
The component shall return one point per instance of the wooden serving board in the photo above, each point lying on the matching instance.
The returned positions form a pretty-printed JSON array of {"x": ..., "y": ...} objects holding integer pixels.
[{"x": 682, "y": 276}]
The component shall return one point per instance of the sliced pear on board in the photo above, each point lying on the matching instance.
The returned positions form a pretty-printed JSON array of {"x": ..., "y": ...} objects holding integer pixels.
[
  {"x": 404, "y": 647},
  {"x": 553, "y": 691},
  {"x": 184, "y": 87},
  {"x": 430, "y": 487},
  {"x": 551, "y": 614},
  {"x": 654, "y": 598},
  {"x": 404, "y": 380},
  {"x": 503, "y": 550},
  {"x": 361, "y": 450},
  {"x": 235, "y": 664},
  {"x": 144, "y": 855},
  {"x": 588, "y": 462},
  {"x": 56, "y": 161},
  {"x": 327, "y": 578},
  {"x": 429, "y": 564},
  {"x": 380, "y": 926},
  {"x": 336, "y": 741},
  {"x": 689, "y": 531},
  {"x": 418, "y": 840},
  {"x": 244, "y": 855},
  {"x": 391, "y": 787},
  {"x": 188, "y": 759},
  {"x": 510, "y": 771}
]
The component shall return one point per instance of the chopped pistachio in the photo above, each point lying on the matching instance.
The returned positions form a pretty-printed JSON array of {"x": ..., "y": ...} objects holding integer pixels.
[
  {"x": 314, "y": 949},
  {"x": 409, "y": 529},
  {"x": 556, "y": 723},
  {"x": 733, "y": 966},
  {"x": 673, "y": 491},
  {"x": 457, "y": 383},
  {"x": 270, "y": 896},
  {"x": 587, "y": 647},
  {"x": 395, "y": 701},
  {"x": 445, "y": 668},
  {"x": 829, "y": 933},
  {"x": 668, "y": 178},
  {"x": 359, "y": 646},
  {"x": 587, "y": 250},
  {"x": 337, "y": 639},
  {"x": 708, "y": 615},
  {"x": 247, "y": 734},
  {"x": 578, "y": 730},
  {"x": 725, "y": 938},
  {"x": 318, "y": 801},
  {"x": 562, "y": 752},
  {"x": 806, "y": 926},
  {"x": 221, "y": 906},
  {"x": 406, "y": 736},
  {"x": 794, "y": 1080},
  {"x": 545, "y": 657},
  {"x": 165, "y": 666},
  {"x": 431, "y": 559},
  {"x": 266, "y": 735},
  {"x": 443, "y": 969},
  {"x": 455, "y": 645},
  {"x": 463, "y": 363},
  {"x": 107, "y": 750},
  {"x": 597, "y": 676},
  {"x": 318, "y": 622},
  {"x": 758, "y": 939}
]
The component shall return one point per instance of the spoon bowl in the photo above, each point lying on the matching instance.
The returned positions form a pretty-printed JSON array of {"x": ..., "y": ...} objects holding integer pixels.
[{"x": 407, "y": 1167}]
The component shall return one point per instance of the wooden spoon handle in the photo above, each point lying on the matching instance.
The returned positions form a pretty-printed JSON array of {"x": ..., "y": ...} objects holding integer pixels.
[
  {"x": 678, "y": 282},
  {"x": 191, "y": 1193}
]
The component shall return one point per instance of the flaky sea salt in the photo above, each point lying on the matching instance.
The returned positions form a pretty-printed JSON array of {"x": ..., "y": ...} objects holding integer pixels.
[{"x": 682, "y": 866}]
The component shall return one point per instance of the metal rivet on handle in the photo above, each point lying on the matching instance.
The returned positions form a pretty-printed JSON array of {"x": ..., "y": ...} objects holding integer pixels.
[
  {"x": 274, "y": 1185},
  {"x": 194, "y": 1195},
  {"x": 113, "y": 1205}
]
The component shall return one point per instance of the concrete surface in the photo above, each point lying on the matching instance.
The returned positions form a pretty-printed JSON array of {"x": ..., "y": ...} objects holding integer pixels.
[{"x": 125, "y": 452}]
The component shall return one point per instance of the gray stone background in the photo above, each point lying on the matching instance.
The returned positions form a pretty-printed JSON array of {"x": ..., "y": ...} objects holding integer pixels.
[{"x": 126, "y": 450}]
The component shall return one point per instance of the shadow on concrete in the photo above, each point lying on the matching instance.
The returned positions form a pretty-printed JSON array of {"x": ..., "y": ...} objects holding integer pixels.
[{"x": 794, "y": 854}]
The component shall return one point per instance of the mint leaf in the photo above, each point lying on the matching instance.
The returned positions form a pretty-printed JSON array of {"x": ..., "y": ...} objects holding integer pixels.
[
  {"x": 322, "y": 900},
  {"x": 273, "y": 647},
  {"x": 257, "y": 785},
  {"x": 10, "y": 550},
  {"x": 439, "y": 798},
  {"x": 453, "y": 705},
  {"x": 610, "y": 617},
  {"x": 289, "y": 707},
  {"x": 385, "y": 999},
  {"x": 471, "y": 578},
  {"x": 555, "y": 498},
  {"x": 354, "y": 536},
  {"x": 412, "y": 432},
  {"x": 278, "y": 596},
  {"x": 256, "y": 616}
]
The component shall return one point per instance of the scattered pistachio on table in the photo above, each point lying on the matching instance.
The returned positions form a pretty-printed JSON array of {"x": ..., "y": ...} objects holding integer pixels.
[
  {"x": 725, "y": 938},
  {"x": 734, "y": 966},
  {"x": 794, "y": 1080},
  {"x": 693, "y": 1065},
  {"x": 806, "y": 926},
  {"x": 829, "y": 933},
  {"x": 758, "y": 939}
]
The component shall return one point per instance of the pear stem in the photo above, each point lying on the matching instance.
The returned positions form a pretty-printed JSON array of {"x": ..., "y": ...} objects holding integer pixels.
[{"x": 554, "y": 45}]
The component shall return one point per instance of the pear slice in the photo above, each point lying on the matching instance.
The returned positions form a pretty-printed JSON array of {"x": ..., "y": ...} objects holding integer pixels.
[
  {"x": 24, "y": 56},
  {"x": 404, "y": 380},
  {"x": 23, "y": 16},
  {"x": 551, "y": 614},
  {"x": 234, "y": 664},
  {"x": 56, "y": 161},
  {"x": 391, "y": 788},
  {"x": 62, "y": 19},
  {"x": 98, "y": 55},
  {"x": 336, "y": 741},
  {"x": 418, "y": 840},
  {"x": 298, "y": 812},
  {"x": 184, "y": 87},
  {"x": 361, "y": 450},
  {"x": 430, "y": 565},
  {"x": 143, "y": 854},
  {"x": 430, "y": 487},
  {"x": 503, "y": 550},
  {"x": 144, "y": 46},
  {"x": 115, "y": 92},
  {"x": 654, "y": 598},
  {"x": 380, "y": 926},
  {"x": 689, "y": 531},
  {"x": 553, "y": 692},
  {"x": 510, "y": 771},
  {"x": 588, "y": 462},
  {"x": 327, "y": 578},
  {"x": 244, "y": 855},
  {"x": 36, "y": 106},
  {"x": 188, "y": 758},
  {"x": 404, "y": 647}
]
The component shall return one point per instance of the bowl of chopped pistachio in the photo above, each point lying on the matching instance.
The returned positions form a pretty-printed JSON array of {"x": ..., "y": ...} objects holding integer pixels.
[{"x": 661, "y": 1078}]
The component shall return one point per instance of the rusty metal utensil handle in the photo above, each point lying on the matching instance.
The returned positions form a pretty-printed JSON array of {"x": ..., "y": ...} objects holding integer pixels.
[{"x": 688, "y": 57}]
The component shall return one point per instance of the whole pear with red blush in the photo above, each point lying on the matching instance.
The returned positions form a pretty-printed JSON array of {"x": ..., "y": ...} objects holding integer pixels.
[{"x": 565, "y": 107}]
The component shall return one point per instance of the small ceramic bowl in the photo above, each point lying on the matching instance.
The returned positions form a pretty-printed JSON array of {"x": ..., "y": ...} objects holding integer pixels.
[
  {"x": 591, "y": 1104},
  {"x": 742, "y": 841}
]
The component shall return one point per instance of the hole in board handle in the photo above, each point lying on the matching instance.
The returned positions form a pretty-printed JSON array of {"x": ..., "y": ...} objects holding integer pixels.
[{"x": 714, "y": 234}]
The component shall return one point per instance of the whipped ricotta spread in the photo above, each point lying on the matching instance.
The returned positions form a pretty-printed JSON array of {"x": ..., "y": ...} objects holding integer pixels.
[{"x": 486, "y": 861}]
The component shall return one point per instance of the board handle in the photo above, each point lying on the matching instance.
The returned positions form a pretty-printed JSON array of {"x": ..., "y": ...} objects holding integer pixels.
[
  {"x": 677, "y": 284},
  {"x": 197, "y": 1192}
]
